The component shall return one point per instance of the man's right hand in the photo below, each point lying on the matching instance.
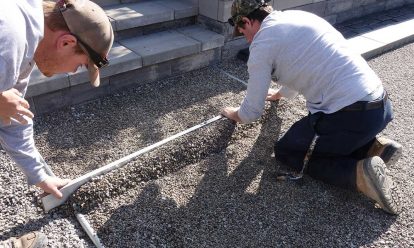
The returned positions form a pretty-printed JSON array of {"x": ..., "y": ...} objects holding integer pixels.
[
  {"x": 13, "y": 106},
  {"x": 273, "y": 95},
  {"x": 52, "y": 185}
]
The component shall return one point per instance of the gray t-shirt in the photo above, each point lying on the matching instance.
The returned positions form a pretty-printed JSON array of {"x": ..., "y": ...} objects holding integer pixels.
[
  {"x": 22, "y": 26},
  {"x": 305, "y": 55}
]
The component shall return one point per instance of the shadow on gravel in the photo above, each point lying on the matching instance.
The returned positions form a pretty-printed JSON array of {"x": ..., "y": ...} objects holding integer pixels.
[
  {"x": 31, "y": 226},
  {"x": 246, "y": 207}
]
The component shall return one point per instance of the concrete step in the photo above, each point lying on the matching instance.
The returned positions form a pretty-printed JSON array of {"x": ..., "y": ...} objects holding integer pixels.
[
  {"x": 104, "y": 3},
  {"x": 132, "y": 61},
  {"x": 139, "y": 18},
  {"x": 148, "y": 57}
]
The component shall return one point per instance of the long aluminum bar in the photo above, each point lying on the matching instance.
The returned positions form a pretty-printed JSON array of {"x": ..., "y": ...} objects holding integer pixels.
[
  {"x": 89, "y": 230},
  {"x": 49, "y": 202},
  {"x": 233, "y": 77}
]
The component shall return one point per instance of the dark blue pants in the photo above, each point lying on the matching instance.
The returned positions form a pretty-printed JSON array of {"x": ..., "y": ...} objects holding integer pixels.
[{"x": 345, "y": 138}]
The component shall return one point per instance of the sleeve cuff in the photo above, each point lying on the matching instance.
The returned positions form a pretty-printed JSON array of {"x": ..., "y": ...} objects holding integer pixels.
[
  {"x": 248, "y": 117},
  {"x": 288, "y": 93},
  {"x": 37, "y": 177}
]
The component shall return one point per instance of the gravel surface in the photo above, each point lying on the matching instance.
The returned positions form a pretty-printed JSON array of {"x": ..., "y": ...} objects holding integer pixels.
[
  {"x": 82, "y": 138},
  {"x": 213, "y": 188}
]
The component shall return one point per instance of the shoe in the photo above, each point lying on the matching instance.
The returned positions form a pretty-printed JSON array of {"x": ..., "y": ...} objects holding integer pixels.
[
  {"x": 388, "y": 150},
  {"x": 372, "y": 182},
  {"x": 30, "y": 240}
]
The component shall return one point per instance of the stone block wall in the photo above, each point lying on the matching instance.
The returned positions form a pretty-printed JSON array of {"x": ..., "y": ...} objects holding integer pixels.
[{"x": 215, "y": 13}]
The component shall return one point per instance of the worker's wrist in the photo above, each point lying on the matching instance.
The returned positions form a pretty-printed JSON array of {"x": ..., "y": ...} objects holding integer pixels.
[{"x": 37, "y": 177}]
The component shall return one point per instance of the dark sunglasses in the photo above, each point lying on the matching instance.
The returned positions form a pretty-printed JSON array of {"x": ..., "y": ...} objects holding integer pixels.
[
  {"x": 230, "y": 20},
  {"x": 96, "y": 57}
]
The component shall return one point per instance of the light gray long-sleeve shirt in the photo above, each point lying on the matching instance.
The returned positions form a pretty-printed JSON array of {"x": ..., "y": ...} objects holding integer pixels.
[
  {"x": 305, "y": 55},
  {"x": 22, "y": 26}
]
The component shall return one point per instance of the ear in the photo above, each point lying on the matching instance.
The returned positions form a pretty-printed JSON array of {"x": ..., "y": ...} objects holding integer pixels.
[
  {"x": 66, "y": 41},
  {"x": 246, "y": 21}
]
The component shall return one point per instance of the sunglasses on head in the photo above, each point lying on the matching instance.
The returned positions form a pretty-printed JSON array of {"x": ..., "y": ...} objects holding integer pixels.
[{"x": 230, "y": 20}]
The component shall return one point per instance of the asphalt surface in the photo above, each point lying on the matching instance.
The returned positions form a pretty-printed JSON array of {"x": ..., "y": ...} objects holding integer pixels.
[{"x": 213, "y": 188}]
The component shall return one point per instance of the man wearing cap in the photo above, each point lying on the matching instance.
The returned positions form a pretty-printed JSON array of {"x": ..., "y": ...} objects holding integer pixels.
[
  {"x": 347, "y": 103},
  {"x": 59, "y": 38}
]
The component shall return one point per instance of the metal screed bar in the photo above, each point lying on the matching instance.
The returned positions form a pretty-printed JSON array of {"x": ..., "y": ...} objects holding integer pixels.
[
  {"x": 233, "y": 77},
  {"x": 49, "y": 202},
  {"x": 89, "y": 230}
]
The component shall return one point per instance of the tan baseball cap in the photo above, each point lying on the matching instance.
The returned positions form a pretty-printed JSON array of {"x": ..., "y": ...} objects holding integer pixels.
[{"x": 89, "y": 24}]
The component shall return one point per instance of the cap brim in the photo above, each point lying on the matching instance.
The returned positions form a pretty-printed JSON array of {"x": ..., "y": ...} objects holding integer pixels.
[{"x": 93, "y": 74}]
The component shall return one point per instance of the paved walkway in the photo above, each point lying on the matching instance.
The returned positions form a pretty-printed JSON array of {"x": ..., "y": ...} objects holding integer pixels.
[
  {"x": 369, "y": 23},
  {"x": 377, "y": 33}
]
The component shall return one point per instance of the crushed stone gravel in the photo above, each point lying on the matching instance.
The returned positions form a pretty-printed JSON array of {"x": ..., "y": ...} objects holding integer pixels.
[{"x": 213, "y": 188}]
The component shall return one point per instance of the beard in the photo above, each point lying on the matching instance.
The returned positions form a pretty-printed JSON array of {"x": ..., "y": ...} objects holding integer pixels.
[
  {"x": 47, "y": 66},
  {"x": 46, "y": 62}
]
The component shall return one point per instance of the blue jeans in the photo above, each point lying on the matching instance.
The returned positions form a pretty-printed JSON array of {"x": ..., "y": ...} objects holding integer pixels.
[{"x": 344, "y": 138}]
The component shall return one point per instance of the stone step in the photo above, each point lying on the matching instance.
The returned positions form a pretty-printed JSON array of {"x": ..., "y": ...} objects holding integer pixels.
[
  {"x": 134, "y": 60},
  {"x": 157, "y": 55},
  {"x": 139, "y": 18},
  {"x": 104, "y": 3}
]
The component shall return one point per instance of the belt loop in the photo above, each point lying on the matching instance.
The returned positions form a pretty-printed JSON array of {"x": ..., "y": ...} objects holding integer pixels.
[
  {"x": 366, "y": 106},
  {"x": 385, "y": 98},
  {"x": 313, "y": 120}
]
